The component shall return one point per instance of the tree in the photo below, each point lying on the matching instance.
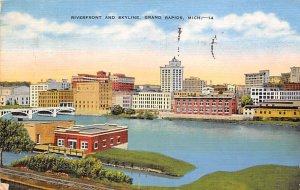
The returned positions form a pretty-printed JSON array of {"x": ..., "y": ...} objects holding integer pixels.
[
  {"x": 130, "y": 111},
  {"x": 246, "y": 100},
  {"x": 13, "y": 137},
  {"x": 116, "y": 110}
]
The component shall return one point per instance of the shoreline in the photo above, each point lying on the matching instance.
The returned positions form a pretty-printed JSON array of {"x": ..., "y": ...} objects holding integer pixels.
[{"x": 146, "y": 170}]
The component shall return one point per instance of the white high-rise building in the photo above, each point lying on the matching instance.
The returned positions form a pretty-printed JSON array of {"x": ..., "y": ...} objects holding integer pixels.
[
  {"x": 295, "y": 74},
  {"x": 171, "y": 76}
]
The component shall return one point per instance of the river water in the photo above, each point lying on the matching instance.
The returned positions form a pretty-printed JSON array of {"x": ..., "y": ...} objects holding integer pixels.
[{"x": 210, "y": 146}]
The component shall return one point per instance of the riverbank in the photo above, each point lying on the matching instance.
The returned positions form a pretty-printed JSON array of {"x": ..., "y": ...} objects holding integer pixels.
[
  {"x": 267, "y": 177},
  {"x": 145, "y": 161},
  {"x": 239, "y": 119},
  {"x": 43, "y": 180}
]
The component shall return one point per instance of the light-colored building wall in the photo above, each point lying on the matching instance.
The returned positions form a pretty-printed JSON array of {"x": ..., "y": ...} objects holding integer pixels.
[
  {"x": 152, "y": 101},
  {"x": 286, "y": 77},
  {"x": 14, "y": 95},
  {"x": 207, "y": 90},
  {"x": 42, "y": 132},
  {"x": 93, "y": 98},
  {"x": 34, "y": 93},
  {"x": 267, "y": 93},
  {"x": 194, "y": 84},
  {"x": 260, "y": 79},
  {"x": 122, "y": 98},
  {"x": 54, "y": 98},
  {"x": 171, "y": 76},
  {"x": 295, "y": 74}
]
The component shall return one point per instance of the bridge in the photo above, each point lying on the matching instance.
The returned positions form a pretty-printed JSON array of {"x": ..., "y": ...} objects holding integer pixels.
[{"x": 28, "y": 112}]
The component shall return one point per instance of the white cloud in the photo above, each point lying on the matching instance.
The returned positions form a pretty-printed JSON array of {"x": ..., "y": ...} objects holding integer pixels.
[
  {"x": 248, "y": 25},
  {"x": 255, "y": 25}
]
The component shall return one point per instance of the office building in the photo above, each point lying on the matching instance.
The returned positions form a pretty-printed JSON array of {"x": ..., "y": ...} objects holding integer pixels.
[
  {"x": 171, "y": 76},
  {"x": 151, "y": 101}
]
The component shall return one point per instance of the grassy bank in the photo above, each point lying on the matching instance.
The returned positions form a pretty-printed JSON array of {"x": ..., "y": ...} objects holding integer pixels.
[
  {"x": 266, "y": 177},
  {"x": 144, "y": 160}
]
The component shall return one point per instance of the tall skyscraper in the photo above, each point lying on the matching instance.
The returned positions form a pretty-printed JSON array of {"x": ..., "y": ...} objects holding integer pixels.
[{"x": 171, "y": 76}]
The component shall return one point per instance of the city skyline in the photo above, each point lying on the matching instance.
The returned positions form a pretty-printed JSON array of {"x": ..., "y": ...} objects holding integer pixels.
[{"x": 45, "y": 42}]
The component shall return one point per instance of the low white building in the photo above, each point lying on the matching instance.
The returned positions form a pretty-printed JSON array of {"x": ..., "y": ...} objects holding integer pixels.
[
  {"x": 267, "y": 93},
  {"x": 207, "y": 90},
  {"x": 122, "y": 99},
  {"x": 152, "y": 101},
  {"x": 15, "y": 95}
]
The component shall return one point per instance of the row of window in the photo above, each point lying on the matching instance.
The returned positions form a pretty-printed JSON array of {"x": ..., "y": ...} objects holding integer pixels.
[
  {"x": 85, "y": 145},
  {"x": 214, "y": 110}
]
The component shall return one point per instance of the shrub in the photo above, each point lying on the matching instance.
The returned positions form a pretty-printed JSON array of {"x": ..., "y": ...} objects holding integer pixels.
[{"x": 89, "y": 167}]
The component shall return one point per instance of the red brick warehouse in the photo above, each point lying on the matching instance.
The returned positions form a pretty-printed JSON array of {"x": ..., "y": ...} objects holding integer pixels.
[
  {"x": 92, "y": 138},
  {"x": 208, "y": 105}
]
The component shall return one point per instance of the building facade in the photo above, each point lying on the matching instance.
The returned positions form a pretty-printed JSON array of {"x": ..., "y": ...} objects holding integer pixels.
[
  {"x": 286, "y": 77},
  {"x": 55, "y": 98},
  {"x": 92, "y": 138},
  {"x": 120, "y": 82},
  {"x": 122, "y": 99},
  {"x": 194, "y": 84},
  {"x": 295, "y": 74},
  {"x": 254, "y": 80},
  {"x": 291, "y": 86},
  {"x": 34, "y": 93},
  {"x": 259, "y": 95},
  {"x": 50, "y": 84},
  {"x": 208, "y": 105},
  {"x": 42, "y": 132},
  {"x": 171, "y": 76},
  {"x": 93, "y": 98},
  {"x": 152, "y": 101},
  {"x": 15, "y": 95}
]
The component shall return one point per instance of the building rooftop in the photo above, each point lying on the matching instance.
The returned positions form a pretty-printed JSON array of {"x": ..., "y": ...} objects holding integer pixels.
[{"x": 92, "y": 129}]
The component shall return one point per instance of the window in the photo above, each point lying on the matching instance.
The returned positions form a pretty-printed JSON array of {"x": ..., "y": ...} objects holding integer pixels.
[
  {"x": 118, "y": 139},
  {"x": 60, "y": 142},
  {"x": 84, "y": 145},
  {"x": 111, "y": 141},
  {"x": 104, "y": 143},
  {"x": 96, "y": 145},
  {"x": 38, "y": 139}
]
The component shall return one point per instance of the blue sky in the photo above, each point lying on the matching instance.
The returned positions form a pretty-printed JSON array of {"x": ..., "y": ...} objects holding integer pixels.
[{"x": 260, "y": 33}]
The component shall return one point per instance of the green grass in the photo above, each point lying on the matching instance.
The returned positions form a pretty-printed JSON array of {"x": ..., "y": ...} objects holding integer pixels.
[
  {"x": 156, "y": 161},
  {"x": 264, "y": 177},
  {"x": 13, "y": 107}
]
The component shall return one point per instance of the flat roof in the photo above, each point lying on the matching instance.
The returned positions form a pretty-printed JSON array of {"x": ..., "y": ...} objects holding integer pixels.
[{"x": 92, "y": 129}]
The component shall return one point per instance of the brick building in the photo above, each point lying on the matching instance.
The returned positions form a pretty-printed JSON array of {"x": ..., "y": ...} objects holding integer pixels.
[
  {"x": 92, "y": 138},
  {"x": 291, "y": 86},
  {"x": 209, "y": 105}
]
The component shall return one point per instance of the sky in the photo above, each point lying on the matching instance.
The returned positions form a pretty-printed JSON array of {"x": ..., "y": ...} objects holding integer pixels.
[{"x": 39, "y": 40}]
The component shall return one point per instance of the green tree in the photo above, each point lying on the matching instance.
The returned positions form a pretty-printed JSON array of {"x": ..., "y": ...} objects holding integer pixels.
[
  {"x": 13, "y": 137},
  {"x": 246, "y": 100},
  {"x": 116, "y": 110},
  {"x": 130, "y": 111}
]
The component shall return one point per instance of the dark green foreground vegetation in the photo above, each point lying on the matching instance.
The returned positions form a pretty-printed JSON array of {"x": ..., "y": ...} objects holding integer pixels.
[
  {"x": 144, "y": 160},
  {"x": 90, "y": 167},
  {"x": 265, "y": 177}
]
